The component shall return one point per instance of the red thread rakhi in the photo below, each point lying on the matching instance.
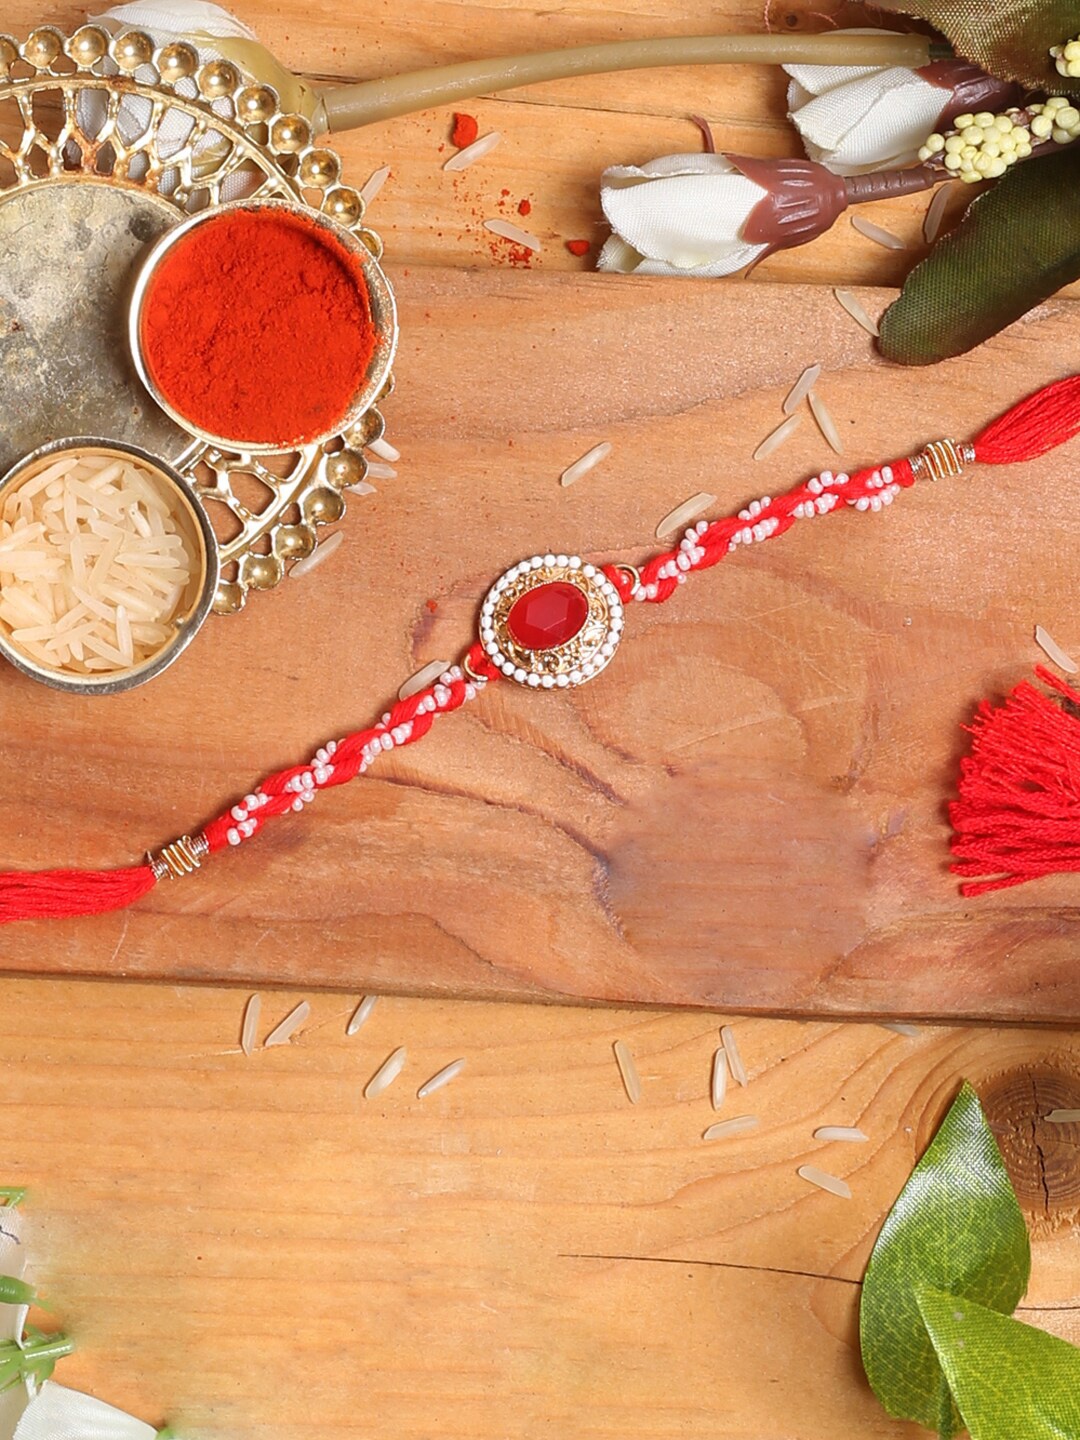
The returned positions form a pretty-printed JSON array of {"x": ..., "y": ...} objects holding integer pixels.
[{"x": 551, "y": 622}]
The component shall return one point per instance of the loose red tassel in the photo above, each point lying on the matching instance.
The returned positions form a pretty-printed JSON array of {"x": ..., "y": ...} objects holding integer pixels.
[
  {"x": 61, "y": 894},
  {"x": 1036, "y": 425},
  {"x": 1018, "y": 812}
]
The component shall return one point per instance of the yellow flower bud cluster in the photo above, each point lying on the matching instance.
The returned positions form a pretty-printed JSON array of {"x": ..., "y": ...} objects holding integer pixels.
[
  {"x": 1056, "y": 119},
  {"x": 982, "y": 146},
  {"x": 1067, "y": 57}
]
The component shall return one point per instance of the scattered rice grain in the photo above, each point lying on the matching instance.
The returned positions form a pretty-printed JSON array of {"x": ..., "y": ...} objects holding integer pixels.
[
  {"x": 513, "y": 233},
  {"x": 734, "y": 1058},
  {"x": 718, "y": 1085},
  {"x": 849, "y": 1133},
  {"x": 440, "y": 1078},
  {"x": 374, "y": 183},
  {"x": 677, "y": 519},
  {"x": 361, "y": 1013},
  {"x": 588, "y": 461},
  {"x": 362, "y": 487},
  {"x": 737, "y": 1125},
  {"x": 476, "y": 151},
  {"x": 423, "y": 678},
  {"x": 824, "y": 1181},
  {"x": 855, "y": 309},
  {"x": 250, "y": 1026},
  {"x": 935, "y": 212},
  {"x": 377, "y": 471},
  {"x": 386, "y": 1074},
  {"x": 1049, "y": 646},
  {"x": 628, "y": 1070},
  {"x": 898, "y": 1027},
  {"x": 325, "y": 549},
  {"x": 776, "y": 438},
  {"x": 802, "y": 387},
  {"x": 283, "y": 1032},
  {"x": 385, "y": 451},
  {"x": 825, "y": 422},
  {"x": 876, "y": 233},
  {"x": 1063, "y": 1117}
]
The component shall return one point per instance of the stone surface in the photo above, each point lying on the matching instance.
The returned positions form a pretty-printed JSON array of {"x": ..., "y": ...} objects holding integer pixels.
[
  {"x": 68, "y": 254},
  {"x": 548, "y": 616}
]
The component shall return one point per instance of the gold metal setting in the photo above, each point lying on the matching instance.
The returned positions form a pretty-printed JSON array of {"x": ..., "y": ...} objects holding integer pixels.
[
  {"x": 942, "y": 460},
  {"x": 179, "y": 858},
  {"x": 579, "y": 659},
  {"x": 191, "y": 137}
]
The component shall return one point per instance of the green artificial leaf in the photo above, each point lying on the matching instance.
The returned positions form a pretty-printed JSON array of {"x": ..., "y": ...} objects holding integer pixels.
[
  {"x": 1016, "y": 245},
  {"x": 1008, "y": 1379},
  {"x": 957, "y": 1227},
  {"x": 1009, "y": 38}
]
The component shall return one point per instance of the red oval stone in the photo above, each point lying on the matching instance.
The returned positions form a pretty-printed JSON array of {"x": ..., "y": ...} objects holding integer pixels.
[{"x": 547, "y": 616}]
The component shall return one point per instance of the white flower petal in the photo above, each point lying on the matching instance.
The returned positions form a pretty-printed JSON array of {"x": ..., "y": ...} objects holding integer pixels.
[
  {"x": 817, "y": 79},
  {"x": 56, "y": 1413},
  {"x": 877, "y": 121},
  {"x": 12, "y": 1405},
  {"x": 184, "y": 18},
  {"x": 13, "y": 1261},
  {"x": 684, "y": 221}
]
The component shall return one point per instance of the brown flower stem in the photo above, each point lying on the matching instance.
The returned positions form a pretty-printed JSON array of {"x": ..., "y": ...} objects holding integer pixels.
[
  {"x": 348, "y": 106},
  {"x": 887, "y": 184}
]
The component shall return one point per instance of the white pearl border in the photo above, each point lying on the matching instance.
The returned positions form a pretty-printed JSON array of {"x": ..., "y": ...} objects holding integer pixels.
[{"x": 597, "y": 581}]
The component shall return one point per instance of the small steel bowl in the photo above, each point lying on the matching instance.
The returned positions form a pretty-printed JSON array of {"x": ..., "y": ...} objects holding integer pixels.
[
  {"x": 189, "y": 514},
  {"x": 383, "y": 314}
]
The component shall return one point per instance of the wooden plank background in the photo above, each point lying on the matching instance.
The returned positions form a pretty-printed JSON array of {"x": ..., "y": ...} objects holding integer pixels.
[{"x": 250, "y": 1247}]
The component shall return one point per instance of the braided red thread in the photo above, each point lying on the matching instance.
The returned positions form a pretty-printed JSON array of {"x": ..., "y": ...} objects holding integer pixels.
[{"x": 716, "y": 540}]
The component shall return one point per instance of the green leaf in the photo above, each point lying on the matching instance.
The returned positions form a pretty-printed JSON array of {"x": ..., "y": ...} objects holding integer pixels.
[
  {"x": 1017, "y": 244},
  {"x": 1009, "y": 38},
  {"x": 1008, "y": 1379},
  {"x": 957, "y": 1227}
]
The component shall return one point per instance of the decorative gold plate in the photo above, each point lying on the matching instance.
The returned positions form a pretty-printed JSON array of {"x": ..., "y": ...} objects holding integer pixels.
[{"x": 106, "y": 142}]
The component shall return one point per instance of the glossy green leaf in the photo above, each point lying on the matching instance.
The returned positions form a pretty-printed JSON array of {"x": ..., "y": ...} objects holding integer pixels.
[
  {"x": 956, "y": 1227},
  {"x": 1007, "y": 1379},
  {"x": 1017, "y": 244},
  {"x": 1010, "y": 38}
]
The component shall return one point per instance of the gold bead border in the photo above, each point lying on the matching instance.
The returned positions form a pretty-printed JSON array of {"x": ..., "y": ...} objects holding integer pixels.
[
  {"x": 579, "y": 659},
  {"x": 282, "y": 145}
]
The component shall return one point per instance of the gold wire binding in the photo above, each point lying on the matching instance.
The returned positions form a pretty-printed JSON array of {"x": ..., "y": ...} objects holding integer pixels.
[
  {"x": 634, "y": 574},
  {"x": 179, "y": 858},
  {"x": 942, "y": 460}
]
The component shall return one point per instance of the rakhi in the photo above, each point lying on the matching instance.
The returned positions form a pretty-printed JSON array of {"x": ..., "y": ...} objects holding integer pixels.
[{"x": 551, "y": 622}]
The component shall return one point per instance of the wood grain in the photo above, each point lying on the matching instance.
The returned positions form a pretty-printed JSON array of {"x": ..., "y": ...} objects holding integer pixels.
[
  {"x": 746, "y": 810},
  {"x": 249, "y": 1248}
]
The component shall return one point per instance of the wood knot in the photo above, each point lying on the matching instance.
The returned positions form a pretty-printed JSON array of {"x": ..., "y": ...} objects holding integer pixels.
[{"x": 1042, "y": 1156}]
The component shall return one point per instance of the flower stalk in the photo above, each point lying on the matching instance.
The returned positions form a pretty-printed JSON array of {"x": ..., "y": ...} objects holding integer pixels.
[{"x": 346, "y": 107}]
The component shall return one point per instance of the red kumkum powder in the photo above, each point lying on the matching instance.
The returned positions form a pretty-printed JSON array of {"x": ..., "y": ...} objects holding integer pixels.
[{"x": 257, "y": 327}]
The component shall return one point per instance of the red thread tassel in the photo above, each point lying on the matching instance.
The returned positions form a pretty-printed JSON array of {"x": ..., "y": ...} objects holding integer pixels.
[
  {"x": 62, "y": 894},
  {"x": 1036, "y": 425},
  {"x": 1018, "y": 813}
]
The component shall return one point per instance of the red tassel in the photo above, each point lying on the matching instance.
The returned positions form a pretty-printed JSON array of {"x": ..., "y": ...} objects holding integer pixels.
[
  {"x": 1038, "y": 424},
  {"x": 63, "y": 894},
  {"x": 1018, "y": 815}
]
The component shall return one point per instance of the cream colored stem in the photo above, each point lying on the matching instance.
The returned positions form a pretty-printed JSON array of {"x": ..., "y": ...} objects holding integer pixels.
[{"x": 348, "y": 106}]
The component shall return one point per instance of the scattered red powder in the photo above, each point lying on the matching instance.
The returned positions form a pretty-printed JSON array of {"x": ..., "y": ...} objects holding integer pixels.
[
  {"x": 465, "y": 131},
  {"x": 244, "y": 300},
  {"x": 578, "y": 247},
  {"x": 432, "y": 605},
  {"x": 525, "y": 207}
]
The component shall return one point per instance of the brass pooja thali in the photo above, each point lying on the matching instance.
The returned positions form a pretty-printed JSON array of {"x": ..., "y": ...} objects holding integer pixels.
[{"x": 108, "y": 145}]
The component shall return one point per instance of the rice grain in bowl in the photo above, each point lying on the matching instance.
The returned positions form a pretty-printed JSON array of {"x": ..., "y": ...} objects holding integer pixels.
[{"x": 108, "y": 566}]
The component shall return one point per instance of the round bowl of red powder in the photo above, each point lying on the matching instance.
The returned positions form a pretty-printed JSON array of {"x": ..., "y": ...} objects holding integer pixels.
[{"x": 262, "y": 326}]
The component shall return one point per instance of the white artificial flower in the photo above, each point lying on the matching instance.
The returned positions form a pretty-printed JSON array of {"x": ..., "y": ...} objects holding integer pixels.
[
  {"x": 855, "y": 118},
  {"x": 171, "y": 22},
  {"x": 13, "y": 1261},
  {"x": 56, "y": 1413},
  {"x": 679, "y": 215}
]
